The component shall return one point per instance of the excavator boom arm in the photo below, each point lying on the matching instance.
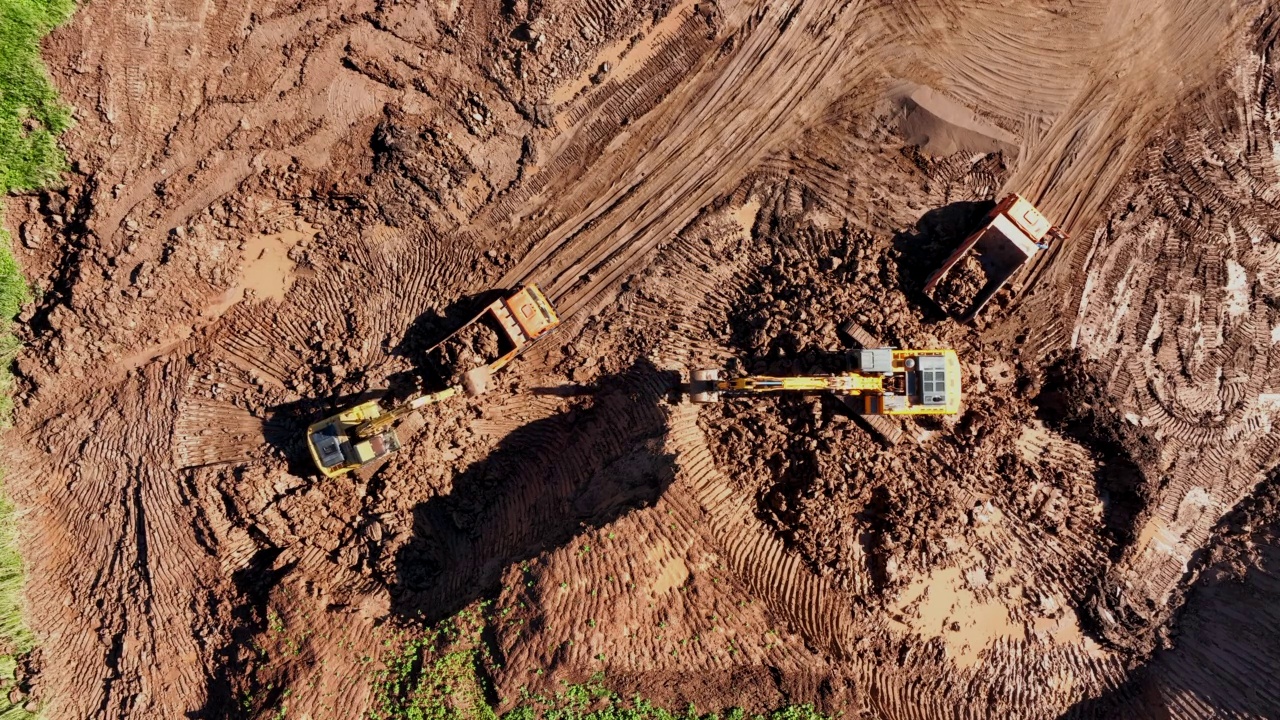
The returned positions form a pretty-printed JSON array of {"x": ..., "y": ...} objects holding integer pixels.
[
  {"x": 850, "y": 383},
  {"x": 373, "y": 426}
]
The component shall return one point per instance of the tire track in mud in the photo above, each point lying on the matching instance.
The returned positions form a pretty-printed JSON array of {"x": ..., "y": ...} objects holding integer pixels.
[
  {"x": 1227, "y": 630},
  {"x": 713, "y": 132},
  {"x": 1188, "y": 351},
  {"x": 823, "y": 615},
  {"x": 163, "y": 152},
  {"x": 1151, "y": 58},
  {"x": 1021, "y": 67},
  {"x": 258, "y": 351},
  {"x": 115, "y": 544},
  {"x": 694, "y": 284},
  {"x": 688, "y": 145}
]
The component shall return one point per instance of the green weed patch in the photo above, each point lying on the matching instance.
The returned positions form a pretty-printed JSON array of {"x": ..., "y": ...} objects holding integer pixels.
[
  {"x": 31, "y": 118},
  {"x": 442, "y": 674}
]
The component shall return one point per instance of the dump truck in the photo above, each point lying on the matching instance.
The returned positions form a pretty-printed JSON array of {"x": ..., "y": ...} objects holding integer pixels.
[
  {"x": 1011, "y": 234},
  {"x": 507, "y": 326},
  {"x": 364, "y": 434}
]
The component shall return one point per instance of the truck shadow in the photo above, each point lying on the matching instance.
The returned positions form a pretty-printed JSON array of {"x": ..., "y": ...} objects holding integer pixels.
[
  {"x": 544, "y": 484},
  {"x": 923, "y": 249}
]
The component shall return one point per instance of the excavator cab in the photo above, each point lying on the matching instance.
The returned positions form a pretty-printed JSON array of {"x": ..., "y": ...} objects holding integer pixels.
[
  {"x": 336, "y": 447},
  {"x": 363, "y": 434},
  {"x": 919, "y": 382}
]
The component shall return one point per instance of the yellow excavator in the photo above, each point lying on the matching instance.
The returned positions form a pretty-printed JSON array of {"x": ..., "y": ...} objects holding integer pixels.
[
  {"x": 884, "y": 382},
  {"x": 888, "y": 381},
  {"x": 364, "y": 434}
]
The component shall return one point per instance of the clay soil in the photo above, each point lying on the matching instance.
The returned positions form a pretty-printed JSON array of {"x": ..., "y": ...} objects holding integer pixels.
[
  {"x": 959, "y": 288},
  {"x": 273, "y": 208}
]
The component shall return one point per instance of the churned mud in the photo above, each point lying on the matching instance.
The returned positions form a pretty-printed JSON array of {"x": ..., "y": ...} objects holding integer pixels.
[
  {"x": 274, "y": 211},
  {"x": 959, "y": 289}
]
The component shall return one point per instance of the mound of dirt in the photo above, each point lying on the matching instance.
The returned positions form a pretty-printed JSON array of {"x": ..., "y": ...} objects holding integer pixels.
[
  {"x": 475, "y": 345},
  {"x": 869, "y": 517},
  {"x": 942, "y": 126},
  {"x": 698, "y": 184},
  {"x": 958, "y": 290}
]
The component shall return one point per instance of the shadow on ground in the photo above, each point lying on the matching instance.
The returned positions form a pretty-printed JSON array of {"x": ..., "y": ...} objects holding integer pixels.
[
  {"x": 920, "y": 251},
  {"x": 544, "y": 484},
  {"x": 235, "y": 676},
  {"x": 1073, "y": 402},
  {"x": 1225, "y": 640}
]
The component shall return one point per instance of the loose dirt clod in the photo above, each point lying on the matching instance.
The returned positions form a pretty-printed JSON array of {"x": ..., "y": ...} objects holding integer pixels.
[
  {"x": 960, "y": 288},
  {"x": 476, "y": 345}
]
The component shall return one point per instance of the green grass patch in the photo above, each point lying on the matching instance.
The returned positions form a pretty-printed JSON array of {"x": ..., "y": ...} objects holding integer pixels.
[
  {"x": 31, "y": 116},
  {"x": 443, "y": 674},
  {"x": 12, "y": 629},
  {"x": 31, "y": 119},
  {"x": 15, "y": 636}
]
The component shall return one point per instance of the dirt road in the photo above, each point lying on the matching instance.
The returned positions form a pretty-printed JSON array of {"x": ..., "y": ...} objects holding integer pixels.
[{"x": 273, "y": 207}]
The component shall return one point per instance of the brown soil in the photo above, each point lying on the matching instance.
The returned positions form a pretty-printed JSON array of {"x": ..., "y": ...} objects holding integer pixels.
[
  {"x": 274, "y": 209},
  {"x": 471, "y": 347},
  {"x": 959, "y": 289}
]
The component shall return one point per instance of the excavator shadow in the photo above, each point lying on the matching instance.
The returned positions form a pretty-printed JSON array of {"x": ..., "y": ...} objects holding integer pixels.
[
  {"x": 923, "y": 249},
  {"x": 570, "y": 390},
  {"x": 544, "y": 484}
]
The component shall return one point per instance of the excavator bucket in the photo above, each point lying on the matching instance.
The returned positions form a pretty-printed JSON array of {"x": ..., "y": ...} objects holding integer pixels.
[
  {"x": 476, "y": 381},
  {"x": 702, "y": 386}
]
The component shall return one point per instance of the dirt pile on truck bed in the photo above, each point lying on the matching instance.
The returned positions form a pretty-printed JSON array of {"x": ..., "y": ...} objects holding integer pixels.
[
  {"x": 273, "y": 210},
  {"x": 958, "y": 290}
]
